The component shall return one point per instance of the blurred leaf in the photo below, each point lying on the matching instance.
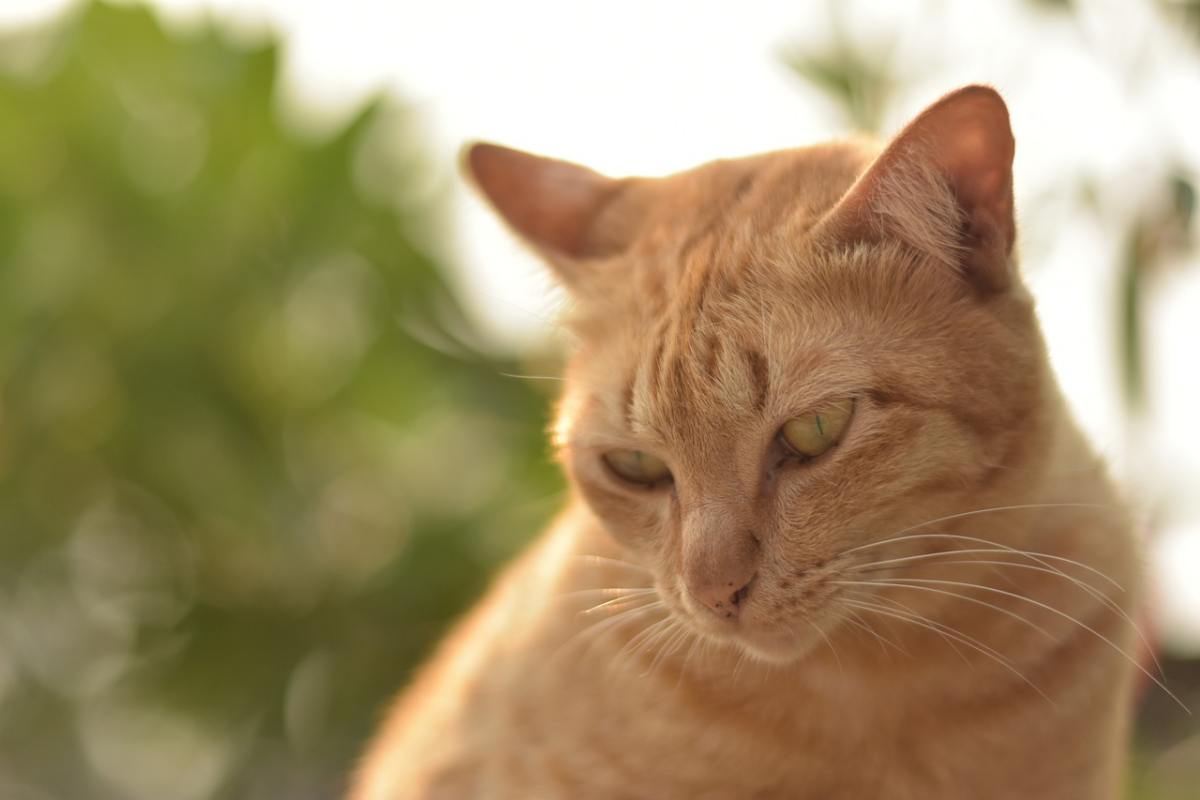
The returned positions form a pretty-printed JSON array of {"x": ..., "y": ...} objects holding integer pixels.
[
  {"x": 1160, "y": 237},
  {"x": 859, "y": 84},
  {"x": 228, "y": 469},
  {"x": 1183, "y": 206},
  {"x": 1184, "y": 12},
  {"x": 1065, "y": 6},
  {"x": 1130, "y": 325}
]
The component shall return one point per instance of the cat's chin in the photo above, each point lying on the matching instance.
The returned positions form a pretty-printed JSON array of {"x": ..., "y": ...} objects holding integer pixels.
[
  {"x": 766, "y": 643},
  {"x": 777, "y": 649},
  {"x": 768, "y": 647}
]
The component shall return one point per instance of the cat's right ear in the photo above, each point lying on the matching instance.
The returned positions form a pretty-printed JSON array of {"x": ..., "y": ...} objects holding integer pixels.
[
  {"x": 568, "y": 213},
  {"x": 944, "y": 186}
]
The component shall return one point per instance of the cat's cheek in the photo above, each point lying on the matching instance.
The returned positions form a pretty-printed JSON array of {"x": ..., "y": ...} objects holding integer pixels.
[{"x": 634, "y": 518}]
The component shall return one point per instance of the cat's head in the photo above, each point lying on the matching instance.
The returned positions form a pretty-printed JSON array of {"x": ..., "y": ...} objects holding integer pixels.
[{"x": 786, "y": 357}]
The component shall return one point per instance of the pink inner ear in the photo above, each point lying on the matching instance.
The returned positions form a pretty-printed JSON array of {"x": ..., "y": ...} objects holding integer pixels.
[
  {"x": 965, "y": 143},
  {"x": 974, "y": 146},
  {"x": 551, "y": 203}
]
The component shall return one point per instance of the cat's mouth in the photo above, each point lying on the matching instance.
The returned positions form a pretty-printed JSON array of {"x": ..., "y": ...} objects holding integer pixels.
[{"x": 774, "y": 623}]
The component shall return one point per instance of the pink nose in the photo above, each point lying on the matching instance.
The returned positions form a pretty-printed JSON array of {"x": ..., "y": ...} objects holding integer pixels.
[
  {"x": 720, "y": 560},
  {"x": 724, "y": 598}
]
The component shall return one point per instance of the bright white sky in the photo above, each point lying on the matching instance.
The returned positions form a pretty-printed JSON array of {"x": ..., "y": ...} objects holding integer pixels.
[{"x": 633, "y": 86}]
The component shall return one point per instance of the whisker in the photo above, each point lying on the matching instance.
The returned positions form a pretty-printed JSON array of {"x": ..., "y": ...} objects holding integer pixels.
[
  {"x": 939, "y": 628},
  {"x": 679, "y": 635},
  {"x": 634, "y": 645},
  {"x": 1034, "y": 555},
  {"x": 1090, "y": 590},
  {"x": 590, "y": 634},
  {"x": 737, "y": 665},
  {"x": 696, "y": 640},
  {"x": 1064, "y": 615},
  {"x": 854, "y": 593},
  {"x": 832, "y": 649},
  {"x": 593, "y": 559},
  {"x": 858, "y": 622},
  {"x": 965, "y": 640},
  {"x": 905, "y": 585},
  {"x": 650, "y": 625},
  {"x": 533, "y": 377},
  {"x": 607, "y": 591},
  {"x": 658, "y": 645},
  {"x": 622, "y": 600},
  {"x": 978, "y": 511}
]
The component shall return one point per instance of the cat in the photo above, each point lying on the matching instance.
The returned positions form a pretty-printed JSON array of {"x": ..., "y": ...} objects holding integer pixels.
[{"x": 832, "y": 530}]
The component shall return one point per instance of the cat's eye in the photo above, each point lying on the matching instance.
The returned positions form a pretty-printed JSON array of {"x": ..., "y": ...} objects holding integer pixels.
[
  {"x": 637, "y": 467},
  {"x": 809, "y": 435}
]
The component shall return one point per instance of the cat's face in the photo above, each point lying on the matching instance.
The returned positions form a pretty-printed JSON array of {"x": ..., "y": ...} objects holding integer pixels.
[{"x": 784, "y": 358}]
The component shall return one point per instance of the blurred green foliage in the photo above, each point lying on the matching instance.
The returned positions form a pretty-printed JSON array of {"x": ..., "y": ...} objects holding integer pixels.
[
  {"x": 248, "y": 470},
  {"x": 860, "y": 86}
]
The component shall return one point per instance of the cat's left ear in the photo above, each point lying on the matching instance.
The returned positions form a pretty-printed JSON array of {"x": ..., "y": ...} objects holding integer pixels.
[
  {"x": 944, "y": 187},
  {"x": 567, "y": 212}
]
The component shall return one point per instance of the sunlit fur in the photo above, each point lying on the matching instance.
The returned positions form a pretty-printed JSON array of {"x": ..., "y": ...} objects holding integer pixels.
[{"x": 895, "y": 641}]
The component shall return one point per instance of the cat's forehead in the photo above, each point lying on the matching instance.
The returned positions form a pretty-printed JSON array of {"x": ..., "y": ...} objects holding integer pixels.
[
  {"x": 694, "y": 376},
  {"x": 758, "y": 194},
  {"x": 699, "y": 375},
  {"x": 711, "y": 231},
  {"x": 711, "y": 322}
]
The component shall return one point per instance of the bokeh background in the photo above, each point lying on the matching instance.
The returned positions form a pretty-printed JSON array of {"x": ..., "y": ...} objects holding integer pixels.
[{"x": 271, "y": 395}]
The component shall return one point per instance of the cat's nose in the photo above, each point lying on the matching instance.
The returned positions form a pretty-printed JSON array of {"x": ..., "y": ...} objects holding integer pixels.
[
  {"x": 724, "y": 598},
  {"x": 720, "y": 559}
]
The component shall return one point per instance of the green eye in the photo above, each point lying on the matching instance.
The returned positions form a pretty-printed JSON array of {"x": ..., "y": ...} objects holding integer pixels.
[
  {"x": 637, "y": 467},
  {"x": 810, "y": 435}
]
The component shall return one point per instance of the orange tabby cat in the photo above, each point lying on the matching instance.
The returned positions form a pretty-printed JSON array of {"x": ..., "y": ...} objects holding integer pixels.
[{"x": 833, "y": 533}]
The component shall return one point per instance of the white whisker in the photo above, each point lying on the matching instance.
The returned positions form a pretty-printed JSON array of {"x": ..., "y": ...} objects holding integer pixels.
[
  {"x": 939, "y": 628},
  {"x": 1033, "y": 555},
  {"x": 1064, "y": 615},
  {"x": 635, "y": 644},
  {"x": 858, "y": 622},
  {"x": 1090, "y": 590},
  {"x": 590, "y": 634},
  {"x": 737, "y": 665},
  {"x": 592, "y": 559},
  {"x": 621, "y": 600},
  {"x": 696, "y": 641},
  {"x": 609, "y": 591},
  {"x": 978, "y": 511},
  {"x": 903, "y": 583},
  {"x": 669, "y": 646},
  {"x": 832, "y": 649},
  {"x": 962, "y": 639},
  {"x": 533, "y": 377}
]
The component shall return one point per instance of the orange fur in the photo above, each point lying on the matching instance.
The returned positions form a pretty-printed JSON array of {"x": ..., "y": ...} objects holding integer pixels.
[{"x": 712, "y": 307}]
